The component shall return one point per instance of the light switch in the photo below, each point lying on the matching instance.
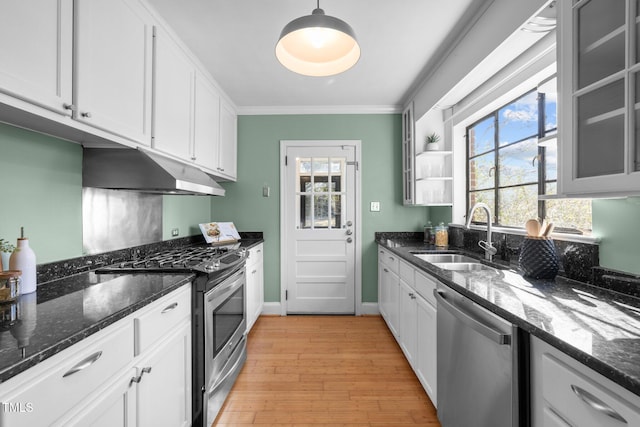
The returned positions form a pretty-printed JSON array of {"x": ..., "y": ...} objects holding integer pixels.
[
  {"x": 266, "y": 191},
  {"x": 375, "y": 207}
]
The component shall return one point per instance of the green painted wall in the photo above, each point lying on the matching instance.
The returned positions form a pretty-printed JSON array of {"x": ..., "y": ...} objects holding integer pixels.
[
  {"x": 41, "y": 190},
  {"x": 615, "y": 222},
  {"x": 258, "y": 165},
  {"x": 184, "y": 213}
]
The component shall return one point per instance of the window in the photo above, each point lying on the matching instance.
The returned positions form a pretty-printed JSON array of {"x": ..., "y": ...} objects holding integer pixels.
[
  {"x": 513, "y": 174},
  {"x": 320, "y": 203}
]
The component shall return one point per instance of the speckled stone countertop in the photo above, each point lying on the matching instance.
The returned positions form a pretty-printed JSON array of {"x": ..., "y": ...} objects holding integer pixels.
[
  {"x": 596, "y": 326},
  {"x": 70, "y": 307},
  {"x": 65, "y": 311}
]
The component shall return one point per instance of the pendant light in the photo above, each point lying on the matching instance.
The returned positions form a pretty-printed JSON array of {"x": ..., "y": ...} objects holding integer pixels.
[{"x": 318, "y": 45}]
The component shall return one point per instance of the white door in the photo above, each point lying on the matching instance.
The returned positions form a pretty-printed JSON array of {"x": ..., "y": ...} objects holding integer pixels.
[{"x": 319, "y": 227}]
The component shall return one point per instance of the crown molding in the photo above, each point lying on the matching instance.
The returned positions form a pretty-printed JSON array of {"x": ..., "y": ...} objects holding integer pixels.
[{"x": 318, "y": 109}]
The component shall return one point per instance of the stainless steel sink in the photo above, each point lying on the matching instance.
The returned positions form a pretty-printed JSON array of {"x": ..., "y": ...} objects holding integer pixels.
[
  {"x": 445, "y": 258},
  {"x": 461, "y": 266}
]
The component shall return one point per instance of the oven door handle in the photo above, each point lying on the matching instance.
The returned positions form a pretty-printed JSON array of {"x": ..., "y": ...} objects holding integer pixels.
[{"x": 229, "y": 372}]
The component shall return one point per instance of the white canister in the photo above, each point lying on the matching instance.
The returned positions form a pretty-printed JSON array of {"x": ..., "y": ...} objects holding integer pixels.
[{"x": 23, "y": 258}]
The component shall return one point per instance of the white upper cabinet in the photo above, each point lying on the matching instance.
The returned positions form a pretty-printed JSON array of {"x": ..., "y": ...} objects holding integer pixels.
[
  {"x": 227, "y": 151},
  {"x": 113, "y": 67},
  {"x": 599, "y": 114},
  {"x": 427, "y": 168},
  {"x": 191, "y": 121},
  {"x": 173, "y": 98},
  {"x": 207, "y": 124},
  {"x": 36, "y": 49}
]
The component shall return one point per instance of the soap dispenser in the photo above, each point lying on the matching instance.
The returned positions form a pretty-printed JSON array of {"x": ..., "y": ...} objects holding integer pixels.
[{"x": 24, "y": 259}]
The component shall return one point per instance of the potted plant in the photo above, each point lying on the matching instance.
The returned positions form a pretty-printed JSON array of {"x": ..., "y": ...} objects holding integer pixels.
[
  {"x": 432, "y": 142},
  {"x": 6, "y": 249}
]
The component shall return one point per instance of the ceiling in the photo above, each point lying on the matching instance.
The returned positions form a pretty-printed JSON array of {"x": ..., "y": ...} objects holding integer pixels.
[{"x": 400, "y": 42}]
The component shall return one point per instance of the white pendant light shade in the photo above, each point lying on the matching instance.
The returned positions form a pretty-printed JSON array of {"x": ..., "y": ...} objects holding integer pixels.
[{"x": 318, "y": 45}]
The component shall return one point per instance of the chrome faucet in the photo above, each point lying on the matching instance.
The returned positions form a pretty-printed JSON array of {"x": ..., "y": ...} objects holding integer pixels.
[{"x": 489, "y": 250}]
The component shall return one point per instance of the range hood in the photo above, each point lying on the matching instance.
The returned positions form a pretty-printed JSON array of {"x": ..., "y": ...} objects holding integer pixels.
[{"x": 145, "y": 171}]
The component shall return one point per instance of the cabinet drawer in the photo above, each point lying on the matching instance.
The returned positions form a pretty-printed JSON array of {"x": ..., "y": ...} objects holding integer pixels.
[
  {"x": 161, "y": 318},
  {"x": 581, "y": 401},
  {"x": 425, "y": 286},
  {"x": 389, "y": 259},
  {"x": 59, "y": 383},
  {"x": 255, "y": 256},
  {"x": 406, "y": 272}
]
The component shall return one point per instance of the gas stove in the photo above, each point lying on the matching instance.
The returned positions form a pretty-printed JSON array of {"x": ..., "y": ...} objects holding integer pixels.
[{"x": 200, "y": 258}]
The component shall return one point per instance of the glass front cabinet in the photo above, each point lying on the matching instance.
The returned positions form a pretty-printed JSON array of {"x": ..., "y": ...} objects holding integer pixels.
[
  {"x": 427, "y": 173},
  {"x": 599, "y": 106}
]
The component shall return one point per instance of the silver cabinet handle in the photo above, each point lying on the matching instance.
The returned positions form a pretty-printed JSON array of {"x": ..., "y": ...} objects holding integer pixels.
[
  {"x": 84, "y": 363},
  {"x": 69, "y": 107},
  {"x": 139, "y": 377},
  {"x": 385, "y": 270},
  {"x": 254, "y": 271},
  {"x": 412, "y": 295},
  {"x": 86, "y": 114},
  {"x": 596, "y": 403},
  {"x": 487, "y": 331},
  {"x": 392, "y": 258},
  {"x": 169, "y": 308}
]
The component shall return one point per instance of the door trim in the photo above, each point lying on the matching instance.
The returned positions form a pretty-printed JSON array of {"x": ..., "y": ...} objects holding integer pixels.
[{"x": 284, "y": 144}]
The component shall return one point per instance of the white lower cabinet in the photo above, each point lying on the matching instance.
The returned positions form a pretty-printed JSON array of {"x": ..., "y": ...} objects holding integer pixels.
[
  {"x": 100, "y": 381},
  {"x": 255, "y": 285},
  {"x": 164, "y": 391},
  {"x": 568, "y": 393},
  {"x": 406, "y": 302},
  {"x": 389, "y": 290}
]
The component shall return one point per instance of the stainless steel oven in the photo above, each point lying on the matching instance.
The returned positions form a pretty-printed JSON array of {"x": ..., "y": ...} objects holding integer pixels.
[
  {"x": 224, "y": 341},
  {"x": 219, "y": 335}
]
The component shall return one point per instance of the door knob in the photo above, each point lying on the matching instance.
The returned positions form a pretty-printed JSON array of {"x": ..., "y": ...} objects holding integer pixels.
[
  {"x": 349, "y": 223},
  {"x": 349, "y": 232},
  {"x": 349, "y": 240}
]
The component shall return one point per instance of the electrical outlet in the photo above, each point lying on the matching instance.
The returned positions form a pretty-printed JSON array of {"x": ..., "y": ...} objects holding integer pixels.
[
  {"x": 175, "y": 232},
  {"x": 375, "y": 207}
]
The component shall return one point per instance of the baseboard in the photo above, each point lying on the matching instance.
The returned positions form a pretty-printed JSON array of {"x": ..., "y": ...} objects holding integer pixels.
[
  {"x": 271, "y": 309},
  {"x": 369, "y": 309},
  {"x": 275, "y": 309}
]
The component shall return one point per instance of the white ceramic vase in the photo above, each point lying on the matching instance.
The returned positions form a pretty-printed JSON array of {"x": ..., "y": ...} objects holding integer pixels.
[{"x": 24, "y": 259}]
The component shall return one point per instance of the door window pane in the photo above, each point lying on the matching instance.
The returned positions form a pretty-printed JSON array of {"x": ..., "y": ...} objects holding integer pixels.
[{"x": 319, "y": 184}]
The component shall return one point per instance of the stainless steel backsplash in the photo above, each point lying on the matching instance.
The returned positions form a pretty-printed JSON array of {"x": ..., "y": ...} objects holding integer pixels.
[{"x": 118, "y": 219}]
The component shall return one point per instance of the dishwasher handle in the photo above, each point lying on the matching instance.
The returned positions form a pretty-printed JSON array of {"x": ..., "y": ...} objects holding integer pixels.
[{"x": 487, "y": 331}]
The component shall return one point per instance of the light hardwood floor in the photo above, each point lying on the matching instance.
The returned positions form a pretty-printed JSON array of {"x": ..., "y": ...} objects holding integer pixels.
[{"x": 325, "y": 371}]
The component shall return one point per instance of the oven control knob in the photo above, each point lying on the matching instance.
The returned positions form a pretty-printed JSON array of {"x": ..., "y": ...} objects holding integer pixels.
[{"x": 209, "y": 268}]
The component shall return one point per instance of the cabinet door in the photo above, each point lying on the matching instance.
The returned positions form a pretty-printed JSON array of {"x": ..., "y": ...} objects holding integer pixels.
[
  {"x": 164, "y": 392},
  {"x": 36, "y": 50},
  {"x": 390, "y": 288},
  {"x": 408, "y": 322},
  {"x": 173, "y": 98},
  {"x": 207, "y": 124},
  {"x": 114, "y": 407},
  {"x": 598, "y": 105},
  {"x": 113, "y": 67},
  {"x": 426, "y": 358},
  {"x": 228, "y": 141}
]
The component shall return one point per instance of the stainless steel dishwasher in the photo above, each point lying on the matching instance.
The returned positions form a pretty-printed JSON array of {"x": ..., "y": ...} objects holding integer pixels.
[{"x": 477, "y": 364}]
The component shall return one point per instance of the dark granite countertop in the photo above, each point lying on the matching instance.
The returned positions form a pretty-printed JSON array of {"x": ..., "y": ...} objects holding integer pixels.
[
  {"x": 596, "y": 326},
  {"x": 62, "y": 312}
]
